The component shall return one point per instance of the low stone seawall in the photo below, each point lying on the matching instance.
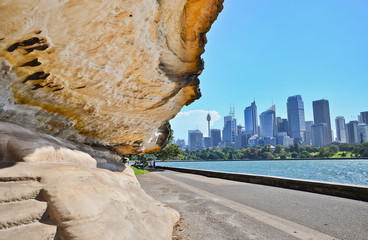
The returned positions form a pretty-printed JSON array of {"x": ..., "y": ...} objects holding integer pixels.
[{"x": 340, "y": 190}]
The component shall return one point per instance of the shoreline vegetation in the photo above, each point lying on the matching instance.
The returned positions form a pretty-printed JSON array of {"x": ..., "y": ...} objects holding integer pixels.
[{"x": 172, "y": 152}]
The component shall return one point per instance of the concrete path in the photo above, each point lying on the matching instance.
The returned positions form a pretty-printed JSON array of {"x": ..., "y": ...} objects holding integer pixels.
[{"x": 221, "y": 209}]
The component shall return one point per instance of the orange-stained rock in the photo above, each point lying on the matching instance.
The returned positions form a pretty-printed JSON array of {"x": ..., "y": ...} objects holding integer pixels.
[{"x": 111, "y": 73}]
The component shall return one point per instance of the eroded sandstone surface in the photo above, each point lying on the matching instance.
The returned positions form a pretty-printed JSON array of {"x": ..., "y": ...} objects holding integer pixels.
[
  {"x": 97, "y": 76},
  {"x": 51, "y": 190},
  {"x": 110, "y": 73}
]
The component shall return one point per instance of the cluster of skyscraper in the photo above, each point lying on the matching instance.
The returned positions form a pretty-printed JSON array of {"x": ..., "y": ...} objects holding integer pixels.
[{"x": 274, "y": 130}]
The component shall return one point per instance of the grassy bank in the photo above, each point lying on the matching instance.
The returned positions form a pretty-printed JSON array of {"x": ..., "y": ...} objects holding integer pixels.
[{"x": 139, "y": 171}]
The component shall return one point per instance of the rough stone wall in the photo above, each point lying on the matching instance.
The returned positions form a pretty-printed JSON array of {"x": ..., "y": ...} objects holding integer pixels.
[{"x": 111, "y": 73}]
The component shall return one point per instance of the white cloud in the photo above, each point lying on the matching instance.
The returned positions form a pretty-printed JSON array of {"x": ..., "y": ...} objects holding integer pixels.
[{"x": 190, "y": 120}]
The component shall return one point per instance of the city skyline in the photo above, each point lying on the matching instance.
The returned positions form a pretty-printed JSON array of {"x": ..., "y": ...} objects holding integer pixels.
[
  {"x": 255, "y": 52},
  {"x": 276, "y": 131},
  {"x": 320, "y": 115}
]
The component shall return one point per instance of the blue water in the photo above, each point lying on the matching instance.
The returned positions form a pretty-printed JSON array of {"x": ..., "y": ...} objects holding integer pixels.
[{"x": 336, "y": 171}]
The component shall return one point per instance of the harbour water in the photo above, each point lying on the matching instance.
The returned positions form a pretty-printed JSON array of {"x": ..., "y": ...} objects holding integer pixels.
[{"x": 337, "y": 171}]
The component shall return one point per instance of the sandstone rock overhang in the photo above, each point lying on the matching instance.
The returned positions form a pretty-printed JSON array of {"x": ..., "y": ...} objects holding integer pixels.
[{"x": 110, "y": 73}]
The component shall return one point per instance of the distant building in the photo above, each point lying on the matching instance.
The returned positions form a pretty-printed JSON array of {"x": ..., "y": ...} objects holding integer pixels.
[
  {"x": 215, "y": 137},
  {"x": 268, "y": 122},
  {"x": 362, "y": 130},
  {"x": 241, "y": 140},
  {"x": 360, "y": 119},
  {"x": 195, "y": 138},
  {"x": 270, "y": 141},
  {"x": 180, "y": 143},
  {"x": 352, "y": 132},
  {"x": 320, "y": 136},
  {"x": 252, "y": 141},
  {"x": 229, "y": 130},
  {"x": 207, "y": 142},
  {"x": 250, "y": 119},
  {"x": 340, "y": 129},
  {"x": 321, "y": 114},
  {"x": 364, "y": 116},
  {"x": 296, "y": 119},
  {"x": 282, "y": 125},
  {"x": 284, "y": 140},
  {"x": 308, "y": 132}
]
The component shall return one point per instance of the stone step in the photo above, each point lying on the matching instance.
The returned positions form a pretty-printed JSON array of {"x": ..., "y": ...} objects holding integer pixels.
[
  {"x": 32, "y": 231},
  {"x": 21, "y": 212},
  {"x": 19, "y": 190}
]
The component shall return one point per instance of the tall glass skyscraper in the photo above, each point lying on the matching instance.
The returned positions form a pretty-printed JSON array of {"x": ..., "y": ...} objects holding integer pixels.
[
  {"x": 282, "y": 125},
  {"x": 362, "y": 130},
  {"x": 340, "y": 129},
  {"x": 250, "y": 119},
  {"x": 296, "y": 119},
  {"x": 195, "y": 139},
  {"x": 268, "y": 122},
  {"x": 364, "y": 116},
  {"x": 352, "y": 132},
  {"x": 319, "y": 134},
  {"x": 215, "y": 137},
  {"x": 229, "y": 130},
  {"x": 321, "y": 114}
]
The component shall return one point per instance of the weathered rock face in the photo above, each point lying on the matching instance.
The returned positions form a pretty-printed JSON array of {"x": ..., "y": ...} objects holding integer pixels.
[
  {"x": 111, "y": 73},
  {"x": 55, "y": 191}
]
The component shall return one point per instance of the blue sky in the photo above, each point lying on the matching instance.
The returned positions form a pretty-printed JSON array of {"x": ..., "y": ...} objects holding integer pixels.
[{"x": 268, "y": 50}]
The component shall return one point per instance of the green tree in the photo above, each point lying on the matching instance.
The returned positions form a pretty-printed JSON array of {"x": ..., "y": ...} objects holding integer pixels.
[
  {"x": 266, "y": 148},
  {"x": 279, "y": 149},
  {"x": 294, "y": 148},
  {"x": 346, "y": 147},
  {"x": 333, "y": 148},
  {"x": 305, "y": 154},
  {"x": 266, "y": 155},
  {"x": 325, "y": 153},
  {"x": 170, "y": 151}
]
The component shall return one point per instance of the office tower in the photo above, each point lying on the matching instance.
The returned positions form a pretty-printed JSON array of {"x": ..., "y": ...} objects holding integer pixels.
[
  {"x": 364, "y": 116},
  {"x": 340, "y": 129},
  {"x": 360, "y": 119},
  {"x": 250, "y": 119},
  {"x": 207, "y": 142},
  {"x": 321, "y": 114},
  {"x": 320, "y": 136},
  {"x": 209, "y": 122},
  {"x": 282, "y": 125},
  {"x": 308, "y": 132},
  {"x": 362, "y": 130},
  {"x": 229, "y": 130},
  {"x": 195, "y": 138},
  {"x": 241, "y": 140},
  {"x": 268, "y": 122},
  {"x": 352, "y": 132},
  {"x": 296, "y": 119},
  {"x": 333, "y": 135},
  {"x": 215, "y": 137}
]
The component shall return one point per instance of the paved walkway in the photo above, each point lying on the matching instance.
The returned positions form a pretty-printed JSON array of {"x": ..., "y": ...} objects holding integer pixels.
[{"x": 221, "y": 209}]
